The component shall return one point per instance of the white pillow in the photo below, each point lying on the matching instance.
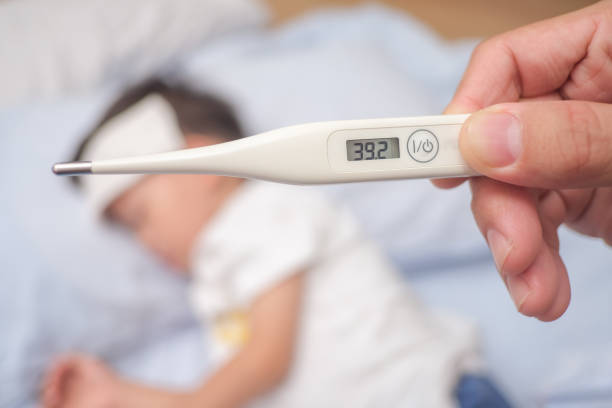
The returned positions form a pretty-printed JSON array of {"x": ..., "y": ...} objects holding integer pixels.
[{"x": 49, "y": 48}]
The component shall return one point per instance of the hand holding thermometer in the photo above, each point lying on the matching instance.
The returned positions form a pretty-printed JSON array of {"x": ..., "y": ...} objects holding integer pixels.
[{"x": 314, "y": 153}]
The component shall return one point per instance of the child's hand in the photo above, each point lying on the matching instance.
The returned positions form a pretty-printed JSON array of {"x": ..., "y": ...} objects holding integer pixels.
[{"x": 78, "y": 381}]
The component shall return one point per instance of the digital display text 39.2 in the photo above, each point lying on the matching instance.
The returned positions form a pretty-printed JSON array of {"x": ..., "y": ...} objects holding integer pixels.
[{"x": 372, "y": 149}]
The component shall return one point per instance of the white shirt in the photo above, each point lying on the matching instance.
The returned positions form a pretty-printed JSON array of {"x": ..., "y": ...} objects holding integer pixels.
[{"x": 363, "y": 339}]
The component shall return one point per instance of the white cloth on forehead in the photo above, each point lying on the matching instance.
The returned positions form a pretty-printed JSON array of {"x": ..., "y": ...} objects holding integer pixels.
[{"x": 149, "y": 126}]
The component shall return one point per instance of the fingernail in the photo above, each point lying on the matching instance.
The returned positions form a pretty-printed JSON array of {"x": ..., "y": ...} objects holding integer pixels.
[
  {"x": 494, "y": 137},
  {"x": 519, "y": 290},
  {"x": 500, "y": 248}
]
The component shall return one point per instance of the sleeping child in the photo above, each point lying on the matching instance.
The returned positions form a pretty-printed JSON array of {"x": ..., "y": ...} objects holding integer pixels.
[{"x": 299, "y": 309}]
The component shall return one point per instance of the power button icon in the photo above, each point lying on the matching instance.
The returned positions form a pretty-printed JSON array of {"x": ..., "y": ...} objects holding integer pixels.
[{"x": 423, "y": 145}]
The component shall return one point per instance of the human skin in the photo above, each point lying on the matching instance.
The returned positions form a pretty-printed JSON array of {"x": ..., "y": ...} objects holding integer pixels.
[
  {"x": 166, "y": 212},
  {"x": 542, "y": 135}
]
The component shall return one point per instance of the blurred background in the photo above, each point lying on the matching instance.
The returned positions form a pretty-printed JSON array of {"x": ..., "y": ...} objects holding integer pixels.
[
  {"x": 451, "y": 19},
  {"x": 69, "y": 283}
]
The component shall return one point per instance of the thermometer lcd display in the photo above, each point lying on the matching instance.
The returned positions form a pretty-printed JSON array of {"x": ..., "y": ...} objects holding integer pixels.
[{"x": 372, "y": 149}]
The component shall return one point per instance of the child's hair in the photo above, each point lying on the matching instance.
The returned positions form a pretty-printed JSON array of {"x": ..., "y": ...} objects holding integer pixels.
[{"x": 196, "y": 112}]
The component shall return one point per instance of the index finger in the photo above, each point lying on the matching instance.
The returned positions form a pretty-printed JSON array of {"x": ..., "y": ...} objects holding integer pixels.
[{"x": 530, "y": 61}]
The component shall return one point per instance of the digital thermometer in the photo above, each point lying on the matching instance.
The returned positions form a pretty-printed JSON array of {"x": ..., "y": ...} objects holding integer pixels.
[{"x": 314, "y": 153}]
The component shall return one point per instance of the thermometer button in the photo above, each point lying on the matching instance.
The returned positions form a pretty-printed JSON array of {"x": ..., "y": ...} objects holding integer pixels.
[{"x": 423, "y": 145}]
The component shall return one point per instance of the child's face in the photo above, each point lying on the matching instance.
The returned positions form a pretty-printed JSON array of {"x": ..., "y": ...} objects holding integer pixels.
[{"x": 166, "y": 212}]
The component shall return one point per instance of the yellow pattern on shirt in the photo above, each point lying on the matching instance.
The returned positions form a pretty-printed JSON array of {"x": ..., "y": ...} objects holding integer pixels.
[{"x": 232, "y": 328}]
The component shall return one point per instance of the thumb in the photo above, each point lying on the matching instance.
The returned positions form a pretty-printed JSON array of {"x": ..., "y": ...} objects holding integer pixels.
[{"x": 553, "y": 144}]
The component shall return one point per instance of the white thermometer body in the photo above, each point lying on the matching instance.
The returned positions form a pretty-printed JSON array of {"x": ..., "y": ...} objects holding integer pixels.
[{"x": 314, "y": 153}]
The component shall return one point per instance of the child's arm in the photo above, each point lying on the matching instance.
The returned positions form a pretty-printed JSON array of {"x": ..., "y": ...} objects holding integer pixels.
[
  {"x": 261, "y": 365},
  {"x": 265, "y": 360}
]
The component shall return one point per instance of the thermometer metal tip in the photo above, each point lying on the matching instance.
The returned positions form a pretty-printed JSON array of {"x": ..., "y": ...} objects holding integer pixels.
[{"x": 72, "y": 168}]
